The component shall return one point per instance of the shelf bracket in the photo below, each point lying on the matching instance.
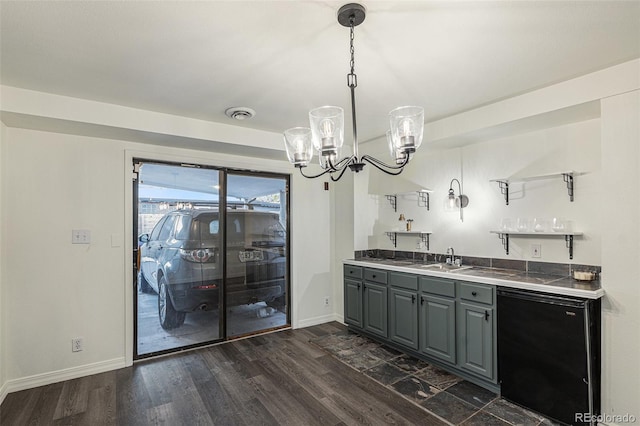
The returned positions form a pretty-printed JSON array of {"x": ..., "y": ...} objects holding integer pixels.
[
  {"x": 569, "y": 241},
  {"x": 504, "y": 189},
  {"x": 393, "y": 200},
  {"x": 423, "y": 199},
  {"x": 505, "y": 242},
  {"x": 393, "y": 236},
  {"x": 425, "y": 240},
  {"x": 568, "y": 178}
]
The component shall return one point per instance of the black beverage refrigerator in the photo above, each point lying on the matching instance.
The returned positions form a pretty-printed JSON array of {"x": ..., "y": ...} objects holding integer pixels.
[{"x": 549, "y": 354}]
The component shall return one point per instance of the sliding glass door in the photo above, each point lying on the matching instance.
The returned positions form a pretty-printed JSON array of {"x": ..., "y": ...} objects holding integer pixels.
[
  {"x": 257, "y": 253},
  {"x": 211, "y": 257}
]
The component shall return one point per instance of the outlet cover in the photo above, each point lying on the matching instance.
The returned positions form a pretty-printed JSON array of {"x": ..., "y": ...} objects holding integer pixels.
[
  {"x": 326, "y": 301},
  {"x": 77, "y": 344},
  {"x": 80, "y": 236},
  {"x": 536, "y": 250}
]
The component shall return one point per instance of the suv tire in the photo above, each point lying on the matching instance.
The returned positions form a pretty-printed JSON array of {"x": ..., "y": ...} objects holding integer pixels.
[
  {"x": 144, "y": 284},
  {"x": 169, "y": 317}
]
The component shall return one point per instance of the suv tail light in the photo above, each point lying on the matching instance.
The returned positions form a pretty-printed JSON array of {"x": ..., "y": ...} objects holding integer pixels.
[{"x": 201, "y": 255}]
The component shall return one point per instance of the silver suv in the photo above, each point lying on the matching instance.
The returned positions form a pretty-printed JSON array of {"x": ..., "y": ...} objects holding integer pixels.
[{"x": 181, "y": 261}]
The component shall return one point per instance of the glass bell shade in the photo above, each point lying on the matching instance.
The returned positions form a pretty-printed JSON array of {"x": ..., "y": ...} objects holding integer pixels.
[
  {"x": 407, "y": 128},
  {"x": 297, "y": 142},
  {"x": 451, "y": 202},
  {"x": 327, "y": 129},
  {"x": 396, "y": 154},
  {"x": 332, "y": 157}
]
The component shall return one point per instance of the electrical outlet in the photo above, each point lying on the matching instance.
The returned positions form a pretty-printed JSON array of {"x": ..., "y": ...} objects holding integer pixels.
[
  {"x": 326, "y": 301},
  {"x": 80, "y": 236},
  {"x": 77, "y": 344},
  {"x": 536, "y": 250}
]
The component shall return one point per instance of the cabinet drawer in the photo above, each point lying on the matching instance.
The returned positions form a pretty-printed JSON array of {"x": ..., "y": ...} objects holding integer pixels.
[
  {"x": 352, "y": 271},
  {"x": 438, "y": 286},
  {"x": 406, "y": 281},
  {"x": 476, "y": 293},
  {"x": 375, "y": 275}
]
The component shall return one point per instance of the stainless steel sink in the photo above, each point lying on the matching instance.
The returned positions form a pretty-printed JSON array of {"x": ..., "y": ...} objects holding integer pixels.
[{"x": 445, "y": 267}]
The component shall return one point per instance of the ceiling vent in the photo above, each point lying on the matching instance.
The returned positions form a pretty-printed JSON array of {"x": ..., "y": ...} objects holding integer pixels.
[{"x": 240, "y": 113}]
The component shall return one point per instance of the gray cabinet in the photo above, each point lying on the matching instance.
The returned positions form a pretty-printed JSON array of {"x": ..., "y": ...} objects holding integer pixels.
[
  {"x": 438, "y": 327},
  {"x": 375, "y": 308},
  {"x": 438, "y": 318},
  {"x": 476, "y": 329},
  {"x": 353, "y": 295},
  {"x": 447, "y": 322},
  {"x": 403, "y": 309}
]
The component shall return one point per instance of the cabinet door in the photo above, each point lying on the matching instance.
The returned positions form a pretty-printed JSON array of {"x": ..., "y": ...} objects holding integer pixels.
[
  {"x": 403, "y": 323},
  {"x": 375, "y": 308},
  {"x": 353, "y": 302},
  {"x": 438, "y": 327},
  {"x": 475, "y": 339}
]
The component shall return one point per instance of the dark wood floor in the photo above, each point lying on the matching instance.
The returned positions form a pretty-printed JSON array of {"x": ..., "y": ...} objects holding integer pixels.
[
  {"x": 280, "y": 378},
  {"x": 321, "y": 375}
]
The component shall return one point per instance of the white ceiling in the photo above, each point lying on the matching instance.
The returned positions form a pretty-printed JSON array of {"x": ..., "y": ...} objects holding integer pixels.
[{"x": 282, "y": 58}]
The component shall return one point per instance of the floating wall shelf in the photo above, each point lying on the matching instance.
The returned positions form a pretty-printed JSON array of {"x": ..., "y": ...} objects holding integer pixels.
[
  {"x": 566, "y": 176},
  {"x": 424, "y": 236},
  {"x": 568, "y": 237},
  {"x": 423, "y": 198}
]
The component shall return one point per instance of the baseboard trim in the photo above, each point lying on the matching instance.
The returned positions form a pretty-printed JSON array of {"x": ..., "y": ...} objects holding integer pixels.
[
  {"x": 43, "y": 379},
  {"x": 3, "y": 391},
  {"x": 316, "y": 320}
]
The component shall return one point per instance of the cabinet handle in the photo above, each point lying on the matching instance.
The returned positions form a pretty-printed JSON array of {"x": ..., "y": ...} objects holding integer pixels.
[
  {"x": 486, "y": 315},
  {"x": 421, "y": 300},
  {"x": 413, "y": 299},
  {"x": 374, "y": 275},
  {"x": 358, "y": 286},
  {"x": 474, "y": 293},
  {"x": 351, "y": 272}
]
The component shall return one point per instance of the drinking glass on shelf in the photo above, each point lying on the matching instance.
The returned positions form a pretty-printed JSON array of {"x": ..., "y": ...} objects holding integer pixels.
[
  {"x": 540, "y": 224},
  {"x": 522, "y": 224},
  {"x": 505, "y": 224},
  {"x": 558, "y": 224}
]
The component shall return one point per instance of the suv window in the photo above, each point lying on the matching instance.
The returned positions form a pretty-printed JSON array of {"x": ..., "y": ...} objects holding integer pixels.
[
  {"x": 167, "y": 227},
  {"x": 156, "y": 230},
  {"x": 208, "y": 225},
  {"x": 182, "y": 227}
]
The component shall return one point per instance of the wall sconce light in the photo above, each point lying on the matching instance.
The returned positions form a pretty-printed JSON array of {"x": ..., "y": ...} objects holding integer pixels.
[{"x": 453, "y": 202}]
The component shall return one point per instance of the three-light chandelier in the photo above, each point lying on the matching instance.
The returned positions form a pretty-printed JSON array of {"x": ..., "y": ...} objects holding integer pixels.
[{"x": 326, "y": 134}]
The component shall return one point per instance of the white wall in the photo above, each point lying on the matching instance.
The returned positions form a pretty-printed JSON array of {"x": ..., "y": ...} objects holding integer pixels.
[
  {"x": 570, "y": 147},
  {"x": 58, "y": 291},
  {"x": 620, "y": 207}
]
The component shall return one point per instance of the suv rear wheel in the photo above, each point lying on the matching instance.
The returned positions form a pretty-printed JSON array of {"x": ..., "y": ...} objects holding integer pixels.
[{"x": 169, "y": 317}]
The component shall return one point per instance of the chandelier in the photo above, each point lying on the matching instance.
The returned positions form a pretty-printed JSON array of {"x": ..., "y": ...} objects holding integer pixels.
[{"x": 326, "y": 132}]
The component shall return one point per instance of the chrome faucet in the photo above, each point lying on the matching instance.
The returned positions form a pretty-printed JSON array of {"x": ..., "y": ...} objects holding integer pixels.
[{"x": 451, "y": 260}]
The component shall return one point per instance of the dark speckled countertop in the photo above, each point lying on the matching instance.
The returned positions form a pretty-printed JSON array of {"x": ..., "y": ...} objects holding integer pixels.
[{"x": 552, "y": 284}]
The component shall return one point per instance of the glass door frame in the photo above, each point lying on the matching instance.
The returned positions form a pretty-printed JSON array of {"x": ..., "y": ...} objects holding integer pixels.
[
  {"x": 287, "y": 185},
  {"x": 222, "y": 206}
]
